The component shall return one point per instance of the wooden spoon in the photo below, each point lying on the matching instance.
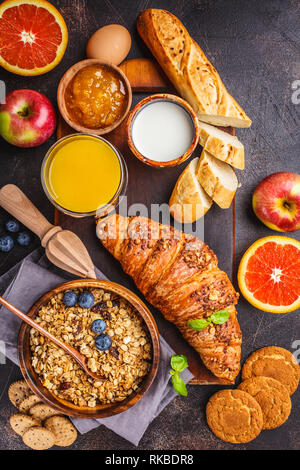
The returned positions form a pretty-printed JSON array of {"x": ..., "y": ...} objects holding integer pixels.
[
  {"x": 79, "y": 358},
  {"x": 63, "y": 248}
]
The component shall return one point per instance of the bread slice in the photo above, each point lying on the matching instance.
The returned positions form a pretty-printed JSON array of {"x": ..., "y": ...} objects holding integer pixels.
[
  {"x": 188, "y": 69},
  {"x": 222, "y": 145},
  {"x": 189, "y": 201},
  {"x": 217, "y": 178}
]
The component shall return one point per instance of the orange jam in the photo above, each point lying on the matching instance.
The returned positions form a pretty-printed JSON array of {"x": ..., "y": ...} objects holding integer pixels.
[{"x": 96, "y": 97}]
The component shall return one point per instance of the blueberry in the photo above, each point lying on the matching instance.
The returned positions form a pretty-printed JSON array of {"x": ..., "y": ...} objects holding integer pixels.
[
  {"x": 12, "y": 226},
  {"x": 6, "y": 243},
  {"x": 70, "y": 298},
  {"x": 86, "y": 300},
  {"x": 24, "y": 238},
  {"x": 103, "y": 342},
  {"x": 98, "y": 326}
]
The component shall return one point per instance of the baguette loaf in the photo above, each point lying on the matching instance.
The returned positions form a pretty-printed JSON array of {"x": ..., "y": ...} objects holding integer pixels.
[
  {"x": 222, "y": 145},
  {"x": 189, "y": 201},
  {"x": 217, "y": 178},
  {"x": 189, "y": 70}
]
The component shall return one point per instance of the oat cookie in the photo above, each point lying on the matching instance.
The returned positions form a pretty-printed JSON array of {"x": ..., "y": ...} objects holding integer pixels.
[
  {"x": 28, "y": 403},
  {"x": 18, "y": 391},
  {"x": 20, "y": 423},
  {"x": 275, "y": 362},
  {"x": 273, "y": 398},
  {"x": 42, "y": 411},
  {"x": 38, "y": 438},
  {"x": 64, "y": 431},
  {"x": 234, "y": 416}
]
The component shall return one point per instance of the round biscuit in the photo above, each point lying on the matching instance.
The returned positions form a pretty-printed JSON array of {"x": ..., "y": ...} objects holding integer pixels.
[
  {"x": 38, "y": 438},
  {"x": 234, "y": 416},
  {"x": 18, "y": 391},
  {"x": 275, "y": 362},
  {"x": 64, "y": 431},
  {"x": 42, "y": 411},
  {"x": 28, "y": 403},
  {"x": 20, "y": 423},
  {"x": 273, "y": 398}
]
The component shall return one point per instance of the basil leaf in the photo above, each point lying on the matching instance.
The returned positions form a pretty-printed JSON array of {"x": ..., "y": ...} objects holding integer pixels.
[
  {"x": 179, "y": 362},
  {"x": 179, "y": 385},
  {"x": 199, "y": 324},
  {"x": 220, "y": 317}
]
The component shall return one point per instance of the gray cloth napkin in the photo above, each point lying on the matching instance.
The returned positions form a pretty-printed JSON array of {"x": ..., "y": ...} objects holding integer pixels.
[{"x": 22, "y": 286}]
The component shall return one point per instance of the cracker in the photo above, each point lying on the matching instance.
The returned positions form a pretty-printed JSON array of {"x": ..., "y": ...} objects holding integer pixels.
[
  {"x": 20, "y": 423},
  {"x": 42, "y": 411},
  {"x": 38, "y": 438},
  {"x": 18, "y": 391},
  {"x": 277, "y": 363},
  {"x": 234, "y": 416},
  {"x": 64, "y": 431},
  {"x": 273, "y": 398},
  {"x": 28, "y": 403}
]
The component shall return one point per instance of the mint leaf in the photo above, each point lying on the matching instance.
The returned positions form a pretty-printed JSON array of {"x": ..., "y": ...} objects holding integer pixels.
[
  {"x": 179, "y": 362},
  {"x": 178, "y": 384},
  {"x": 220, "y": 317},
  {"x": 199, "y": 324},
  {"x": 172, "y": 372}
]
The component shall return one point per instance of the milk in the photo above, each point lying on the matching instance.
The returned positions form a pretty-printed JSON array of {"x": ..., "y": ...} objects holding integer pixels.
[{"x": 162, "y": 131}]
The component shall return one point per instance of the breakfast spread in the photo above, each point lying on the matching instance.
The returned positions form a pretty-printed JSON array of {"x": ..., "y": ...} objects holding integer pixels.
[
  {"x": 39, "y": 425},
  {"x": 178, "y": 274},
  {"x": 111, "y": 42},
  {"x": 107, "y": 330},
  {"x": 92, "y": 182},
  {"x": 84, "y": 174},
  {"x": 96, "y": 97}
]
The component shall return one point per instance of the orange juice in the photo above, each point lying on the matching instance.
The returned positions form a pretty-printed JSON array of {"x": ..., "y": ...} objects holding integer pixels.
[{"x": 82, "y": 173}]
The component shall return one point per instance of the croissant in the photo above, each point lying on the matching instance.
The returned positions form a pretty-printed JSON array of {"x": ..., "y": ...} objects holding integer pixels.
[{"x": 179, "y": 275}]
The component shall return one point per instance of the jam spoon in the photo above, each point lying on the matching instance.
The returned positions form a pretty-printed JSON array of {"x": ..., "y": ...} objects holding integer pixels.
[{"x": 79, "y": 358}]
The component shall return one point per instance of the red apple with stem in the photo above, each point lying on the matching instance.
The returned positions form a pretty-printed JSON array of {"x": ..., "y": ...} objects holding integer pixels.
[
  {"x": 276, "y": 201},
  {"x": 27, "y": 119}
]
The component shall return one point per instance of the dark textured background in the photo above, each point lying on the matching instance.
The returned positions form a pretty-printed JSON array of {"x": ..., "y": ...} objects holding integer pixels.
[{"x": 254, "y": 45}]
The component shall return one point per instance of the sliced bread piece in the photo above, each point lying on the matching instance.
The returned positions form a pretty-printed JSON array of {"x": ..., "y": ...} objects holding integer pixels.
[
  {"x": 222, "y": 145},
  {"x": 189, "y": 201},
  {"x": 217, "y": 178}
]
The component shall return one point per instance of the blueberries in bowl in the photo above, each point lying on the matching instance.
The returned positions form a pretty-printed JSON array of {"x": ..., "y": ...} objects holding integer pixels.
[
  {"x": 86, "y": 300},
  {"x": 103, "y": 342},
  {"x": 98, "y": 326},
  {"x": 70, "y": 298},
  {"x": 24, "y": 238},
  {"x": 6, "y": 243},
  {"x": 12, "y": 226}
]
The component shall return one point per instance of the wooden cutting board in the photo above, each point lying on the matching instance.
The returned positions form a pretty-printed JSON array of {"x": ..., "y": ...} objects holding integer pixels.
[{"x": 149, "y": 186}]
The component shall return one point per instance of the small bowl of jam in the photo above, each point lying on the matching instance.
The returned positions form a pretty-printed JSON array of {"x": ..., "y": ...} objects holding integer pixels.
[{"x": 94, "y": 96}]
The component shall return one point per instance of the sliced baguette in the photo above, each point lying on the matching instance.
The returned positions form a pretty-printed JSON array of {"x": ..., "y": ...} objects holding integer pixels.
[
  {"x": 189, "y": 70},
  {"x": 217, "y": 178},
  {"x": 222, "y": 145},
  {"x": 189, "y": 201}
]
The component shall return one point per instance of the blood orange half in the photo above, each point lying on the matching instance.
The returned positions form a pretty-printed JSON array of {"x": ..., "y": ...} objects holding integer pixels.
[
  {"x": 269, "y": 274},
  {"x": 33, "y": 36}
]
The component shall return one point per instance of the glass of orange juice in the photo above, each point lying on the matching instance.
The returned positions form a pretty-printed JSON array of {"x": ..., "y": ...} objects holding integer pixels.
[{"x": 83, "y": 175}]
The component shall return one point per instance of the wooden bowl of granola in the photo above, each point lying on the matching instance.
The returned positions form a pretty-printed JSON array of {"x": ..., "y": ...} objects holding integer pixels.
[{"x": 129, "y": 364}]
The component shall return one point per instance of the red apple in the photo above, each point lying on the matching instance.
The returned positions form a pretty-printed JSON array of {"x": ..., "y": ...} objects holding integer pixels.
[
  {"x": 276, "y": 201},
  {"x": 27, "y": 119}
]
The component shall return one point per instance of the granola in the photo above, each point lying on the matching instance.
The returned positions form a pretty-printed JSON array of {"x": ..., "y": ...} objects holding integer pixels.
[{"x": 124, "y": 365}]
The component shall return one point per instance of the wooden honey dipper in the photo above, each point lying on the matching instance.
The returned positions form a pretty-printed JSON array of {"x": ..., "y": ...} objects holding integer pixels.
[{"x": 63, "y": 248}]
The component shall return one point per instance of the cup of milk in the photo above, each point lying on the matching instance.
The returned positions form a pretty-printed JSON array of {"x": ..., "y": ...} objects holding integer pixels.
[{"x": 162, "y": 130}]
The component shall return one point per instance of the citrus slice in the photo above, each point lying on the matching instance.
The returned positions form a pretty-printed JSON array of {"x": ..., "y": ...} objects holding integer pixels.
[
  {"x": 269, "y": 274},
  {"x": 33, "y": 36}
]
